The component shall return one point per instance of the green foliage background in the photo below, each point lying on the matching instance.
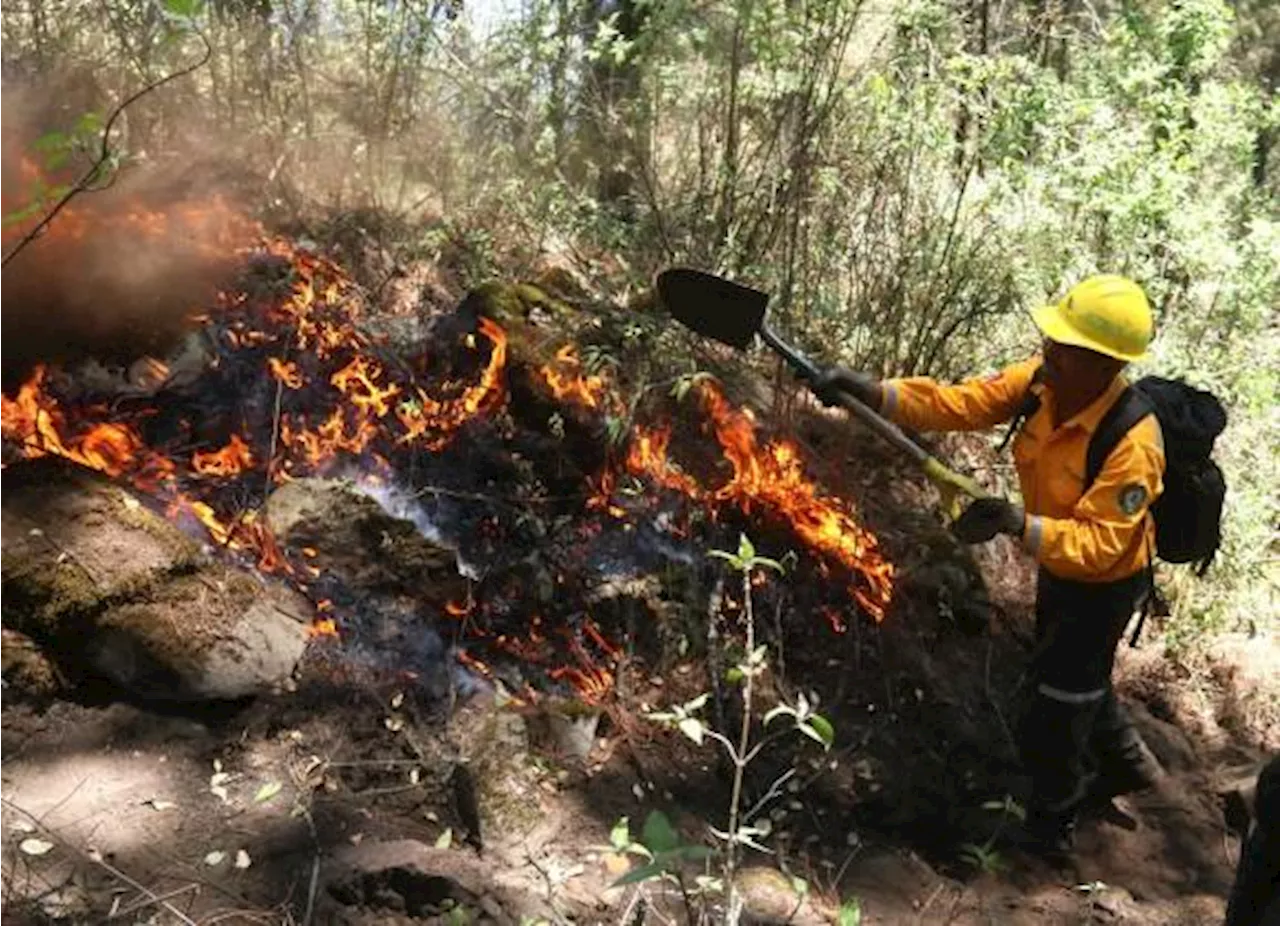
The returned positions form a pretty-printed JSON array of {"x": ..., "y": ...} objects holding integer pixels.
[{"x": 908, "y": 176}]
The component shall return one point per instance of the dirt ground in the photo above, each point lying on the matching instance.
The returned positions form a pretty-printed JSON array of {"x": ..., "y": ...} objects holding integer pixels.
[{"x": 336, "y": 804}]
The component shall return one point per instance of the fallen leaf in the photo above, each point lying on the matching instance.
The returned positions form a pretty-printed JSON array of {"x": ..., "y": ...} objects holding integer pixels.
[
  {"x": 35, "y": 846},
  {"x": 158, "y": 805},
  {"x": 214, "y": 858},
  {"x": 356, "y": 838},
  {"x": 397, "y": 699},
  {"x": 267, "y": 792},
  {"x": 242, "y": 859},
  {"x": 219, "y": 792},
  {"x": 615, "y": 863},
  {"x": 415, "y": 775},
  {"x": 394, "y": 724},
  {"x": 22, "y": 826},
  {"x": 445, "y": 839}
]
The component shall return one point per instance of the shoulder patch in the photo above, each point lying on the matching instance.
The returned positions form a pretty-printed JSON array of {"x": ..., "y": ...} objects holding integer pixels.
[{"x": 1132, "y": 498}]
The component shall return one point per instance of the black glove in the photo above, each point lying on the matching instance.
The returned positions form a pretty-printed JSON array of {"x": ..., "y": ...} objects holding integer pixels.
[
  {"x": 834, "y": 380},
  {"x": 987, "y": 517}
]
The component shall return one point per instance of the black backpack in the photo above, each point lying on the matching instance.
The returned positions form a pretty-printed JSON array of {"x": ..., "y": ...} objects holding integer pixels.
[{"x": 1188, "y": 514}]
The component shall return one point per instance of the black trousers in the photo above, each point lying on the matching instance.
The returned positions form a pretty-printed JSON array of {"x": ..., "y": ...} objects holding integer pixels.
[
  {"x": 1255, "y": 896},
  {"x": 1073, "y": 728}
]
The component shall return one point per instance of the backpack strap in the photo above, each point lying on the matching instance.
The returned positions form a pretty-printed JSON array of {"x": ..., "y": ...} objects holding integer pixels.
[
  {"x": 1125, "y": 412},
  {"x": 1029, "y": 405}
]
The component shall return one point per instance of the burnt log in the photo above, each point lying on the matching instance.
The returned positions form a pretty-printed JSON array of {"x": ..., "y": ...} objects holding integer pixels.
[{"x": 111, "y": 590}]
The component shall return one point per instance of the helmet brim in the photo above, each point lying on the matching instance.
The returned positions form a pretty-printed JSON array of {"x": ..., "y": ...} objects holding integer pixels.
[{"x": 1056, "y": 328}]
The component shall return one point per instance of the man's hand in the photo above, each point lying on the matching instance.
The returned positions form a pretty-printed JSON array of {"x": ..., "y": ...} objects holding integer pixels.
[
  {"x": 987, "y": 517},
  {"x": 834, "y": 380}
]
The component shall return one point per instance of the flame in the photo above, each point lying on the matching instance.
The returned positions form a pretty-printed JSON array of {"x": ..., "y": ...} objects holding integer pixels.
[
  {"x": 231, "y": 460},
  {"x": 285, "y": 372},
  {"x": 647, "y": 456},
  {"x": 323, "y": 627},
  {"x": 569, "y": 384},
  {"x": 768, "y": 478},
  {"x": 333, "y": 398}
]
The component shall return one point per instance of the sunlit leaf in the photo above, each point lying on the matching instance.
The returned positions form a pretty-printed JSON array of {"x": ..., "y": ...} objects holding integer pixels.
[
  {"x": 822, "y": 726},
  {"x": 643, "y": 873},
  {"x": 34, "y": 846},
  {"x": 780, "y": 710},
  {"x": 267, "y": 792},
  {"x": 620, "y": 835},
  {"x": 445, "y": 839},
  {"x": 693, "y": 728},
  {"x": 850, "y": 913}
]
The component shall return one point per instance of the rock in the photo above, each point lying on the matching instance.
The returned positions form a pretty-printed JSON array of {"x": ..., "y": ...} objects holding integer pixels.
[
  {"x": 73, "y": 540},
  {"x": 771, "y": 897},
  {"x": 216, "y": 634},
  {"x": 357, "y": 540},
  {"x": 493, "y": 744},
  {"x": 112, "y": 589}
]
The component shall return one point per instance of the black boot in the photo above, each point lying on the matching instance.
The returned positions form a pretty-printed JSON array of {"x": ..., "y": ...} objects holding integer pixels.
[{"x": 1136, "y": 770}]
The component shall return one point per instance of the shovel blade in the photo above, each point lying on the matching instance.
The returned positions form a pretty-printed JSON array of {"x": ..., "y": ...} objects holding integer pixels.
[{"x": 713, "y": 307}]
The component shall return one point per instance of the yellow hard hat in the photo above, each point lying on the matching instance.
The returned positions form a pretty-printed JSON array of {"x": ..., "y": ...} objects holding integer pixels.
[{"x": 1108, "y": 314}]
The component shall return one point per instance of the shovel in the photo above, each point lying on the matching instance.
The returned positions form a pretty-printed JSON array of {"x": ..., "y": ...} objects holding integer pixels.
[{"x": 734, "y": 315}]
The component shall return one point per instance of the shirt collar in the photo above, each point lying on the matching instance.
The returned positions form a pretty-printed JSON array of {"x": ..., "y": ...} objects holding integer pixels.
[{"x": 1090, "y": 416}]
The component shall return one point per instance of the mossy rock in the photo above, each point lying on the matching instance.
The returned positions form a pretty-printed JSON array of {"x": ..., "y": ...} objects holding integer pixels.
[
  {"x": 493, "y": 743},
  {"x": 111, "y": 589},
  {"x": 215, "y": 634},
  {"x": 512, "y": 304},
  {"x": 355, "y": 539},
  {"x": 73, "y": 541}
]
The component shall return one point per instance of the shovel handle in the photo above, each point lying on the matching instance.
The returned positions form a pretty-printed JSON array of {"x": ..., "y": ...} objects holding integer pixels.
[
  {"x": 938, "y": 472},
  {"x": 950, "y": 483}
]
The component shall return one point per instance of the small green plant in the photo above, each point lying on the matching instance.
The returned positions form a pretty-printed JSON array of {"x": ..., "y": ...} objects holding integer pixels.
[
  {"x": 741, "y": 831},
  {"x": 850, "y": 913},
  {"x": 659, "y": 845},
  {"x": 985, "y": 857}
]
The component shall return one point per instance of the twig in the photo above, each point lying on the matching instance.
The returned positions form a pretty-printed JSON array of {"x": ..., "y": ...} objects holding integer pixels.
[
  {"x": 148, "y": 901},
  {"x": 311, "y": 891},
  {"x": 929, "y": 903},
  {"x": 104, "y": 154},
  {"x": 275, "y": 438}
]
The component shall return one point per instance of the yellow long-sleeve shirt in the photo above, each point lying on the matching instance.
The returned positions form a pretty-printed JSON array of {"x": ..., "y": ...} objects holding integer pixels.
[{"x": 1100, "y": 534}]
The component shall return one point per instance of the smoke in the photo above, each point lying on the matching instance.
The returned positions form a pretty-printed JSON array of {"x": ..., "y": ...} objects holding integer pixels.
[{"x": 119, "y": 272}]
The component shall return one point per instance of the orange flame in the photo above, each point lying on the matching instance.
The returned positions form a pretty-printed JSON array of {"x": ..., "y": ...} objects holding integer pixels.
[
  {"x": 569, "y": 384},
  {"x": 772, "y": 477},
  {"x": 231, "y": 460}
]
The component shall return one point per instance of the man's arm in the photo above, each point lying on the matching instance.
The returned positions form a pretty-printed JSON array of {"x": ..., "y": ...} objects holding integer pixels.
[
  {"x": 974, "y": 405},
  {"x": 1105, "y": 521}
]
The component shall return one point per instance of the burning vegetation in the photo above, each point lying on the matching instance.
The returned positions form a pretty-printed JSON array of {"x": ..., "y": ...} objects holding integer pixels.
[{"x": 279, "y": 380}]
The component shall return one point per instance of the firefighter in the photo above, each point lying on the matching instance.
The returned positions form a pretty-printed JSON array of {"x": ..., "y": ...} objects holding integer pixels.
[
  {"x": 1093, "y": 544},
  {"x": 1255, "y": 895}
]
